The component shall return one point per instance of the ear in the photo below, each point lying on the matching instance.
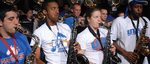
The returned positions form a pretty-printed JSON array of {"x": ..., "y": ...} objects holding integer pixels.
[
  {"x": 129, "y": 7},
  {"x": 1, "y": 23},
  {"x": 88, "y": 19},
  {"x": 71, "y": 10},
  {"x": 44, "y": 12}
]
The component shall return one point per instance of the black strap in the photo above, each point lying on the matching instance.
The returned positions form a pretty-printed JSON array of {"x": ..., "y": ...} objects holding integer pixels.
[
  {"x": 136, "y": 28},
  {"x": 56, "y": 36},
  {"x": 1, "y": 35},
  {"x": 97, "y": 36},
  {"x": 48, "y": 26}
]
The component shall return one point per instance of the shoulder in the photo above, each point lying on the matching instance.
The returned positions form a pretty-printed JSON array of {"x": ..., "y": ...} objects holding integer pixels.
[
  {"x": 119, "y": 18},
  {"x": 84, "y": 32},
  {"x": 19, "y": 35},
  {"x": 69, "y": 18},
  {"x": 64, "y": 26},
  {"x": 145, "y": 18},
  {"x": 41, "y": 29}
]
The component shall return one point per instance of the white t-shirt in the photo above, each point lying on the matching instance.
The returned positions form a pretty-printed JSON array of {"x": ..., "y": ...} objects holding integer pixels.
[
  {"x": 91, "y": 45},
  {"x": 50, "y": 42},
  {"x": 123, "y": 31}
]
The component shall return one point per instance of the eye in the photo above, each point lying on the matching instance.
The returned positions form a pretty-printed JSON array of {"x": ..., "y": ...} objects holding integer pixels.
[
  {"x": 95, "y": 16},
  {"x": 53, "y": 8},
  {"x": 11, "y": 18},
  {"x": 141, "y": 6},
  {"x": 17, "y": 17}
]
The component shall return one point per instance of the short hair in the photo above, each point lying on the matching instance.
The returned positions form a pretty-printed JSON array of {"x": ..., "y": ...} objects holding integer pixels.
[
  {"x": 26, "y": 11},
  {"x": 104, "y": 9},
  {"x": 45, "y": 4},
  {"x": 72, "y": 6},
  {"x": 4, "y": 10},
  {"x": 66, "y": 4}
]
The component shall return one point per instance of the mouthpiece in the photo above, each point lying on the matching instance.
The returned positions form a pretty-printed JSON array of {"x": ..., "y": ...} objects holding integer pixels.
[
  {"x": 22, "y": 31},
  {"x": 103, "y": 24},
  {"x": 19, "y": 30}
]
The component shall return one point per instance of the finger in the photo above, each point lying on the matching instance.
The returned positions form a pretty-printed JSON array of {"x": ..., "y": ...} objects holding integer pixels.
[
  {"x": 134, "y": 56},
  {"x": 75, "y": 48},
  {"x": 75, "y": 44},
  {"x": 131, "y": 58}
]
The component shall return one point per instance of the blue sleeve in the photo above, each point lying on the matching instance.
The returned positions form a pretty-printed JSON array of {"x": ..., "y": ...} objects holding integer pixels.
[
  {"x": 110, "y": 18},
  {"x": 61, "y": 14},
  {"x": 69, "y": 21}
]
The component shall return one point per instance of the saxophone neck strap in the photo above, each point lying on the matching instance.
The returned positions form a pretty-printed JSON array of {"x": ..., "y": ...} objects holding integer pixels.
[
  {"x": 96, "y": 36},
  {"x": 56, "y": 35},
  {"x": 48, "y": 26},
  {"x": 136, "y": 28},
  {"x": 6, "y": 44}
]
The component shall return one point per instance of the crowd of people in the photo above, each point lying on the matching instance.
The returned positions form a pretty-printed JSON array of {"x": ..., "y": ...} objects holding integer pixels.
[{"x": 126, "y": 31}]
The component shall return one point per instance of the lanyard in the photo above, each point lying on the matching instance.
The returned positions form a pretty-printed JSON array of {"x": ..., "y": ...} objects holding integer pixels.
[
  {"x": 57, "y": 36},
  {"x": 4, "y": 41},
  {"x": 97, "y": 36},
  {"x": 136, "y": 28}
]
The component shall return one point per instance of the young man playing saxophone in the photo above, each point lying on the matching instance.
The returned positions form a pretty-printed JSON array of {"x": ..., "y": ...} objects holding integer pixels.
[{"x": 126, "y": 31}]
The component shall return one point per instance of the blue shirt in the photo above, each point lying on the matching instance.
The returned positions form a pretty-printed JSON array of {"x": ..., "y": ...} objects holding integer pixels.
[
  {"x": 23, "y": 49},
  {"x": 69, "y": 21},
  {"x": 110, "y": 18},
  {"x": 63, "y": 13}
]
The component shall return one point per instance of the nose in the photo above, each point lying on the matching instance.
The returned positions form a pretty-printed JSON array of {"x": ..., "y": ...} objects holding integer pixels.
[
  {"x": 79, "y": 11},
  {"x": 57, "y": 10},
  {"x": 99, "y": 19},
  {"x": 16, "y": 21},
  {"x": 140, "y": 8}
]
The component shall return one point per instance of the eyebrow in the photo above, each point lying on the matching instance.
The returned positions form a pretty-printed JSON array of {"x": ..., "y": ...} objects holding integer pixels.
[{"x": 11, "y": 17}]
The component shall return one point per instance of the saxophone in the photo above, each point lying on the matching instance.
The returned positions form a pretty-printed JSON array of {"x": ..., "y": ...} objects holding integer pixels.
[
  {"x": 31, "y": 56},
  {"x": 73, "y": 57},
  {"x": 109, "y": 58},
  {"x": 141, "y": 48}
]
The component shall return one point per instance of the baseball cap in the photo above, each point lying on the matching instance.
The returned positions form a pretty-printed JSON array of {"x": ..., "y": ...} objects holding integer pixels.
[
  {"x": 144, "y": 2},
  {"x": 133, "y": 2}
]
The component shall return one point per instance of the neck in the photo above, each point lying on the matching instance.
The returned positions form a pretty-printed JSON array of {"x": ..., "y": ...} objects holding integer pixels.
[
  {"x": 29, "y": 19},
  {"x": 94, "y": 29},
  {"x": 5, "y": 34},
  {"x": 50, "y": 22},
  {"x": 133, "y": 18},
  {"x": 103, "y": 21}
]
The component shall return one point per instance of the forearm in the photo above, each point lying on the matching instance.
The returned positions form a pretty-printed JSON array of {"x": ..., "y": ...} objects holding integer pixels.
[
  {"x": 37, "y": 57},
  {"x": 119, "y": 48}
]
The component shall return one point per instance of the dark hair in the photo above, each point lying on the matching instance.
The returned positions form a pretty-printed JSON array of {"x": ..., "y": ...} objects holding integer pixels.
[
  {"x": 118, "y": 12},
  {"x": 26, "y": 11},
  {"x": 4, "y": 10},
  {"x": 66, "y": 4},
  {"x": 103, "y": 8},
  {"x": 45, "y": 3},
  {"x": 72, "y": 6},
  {"x": 89, "y": 13}
]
